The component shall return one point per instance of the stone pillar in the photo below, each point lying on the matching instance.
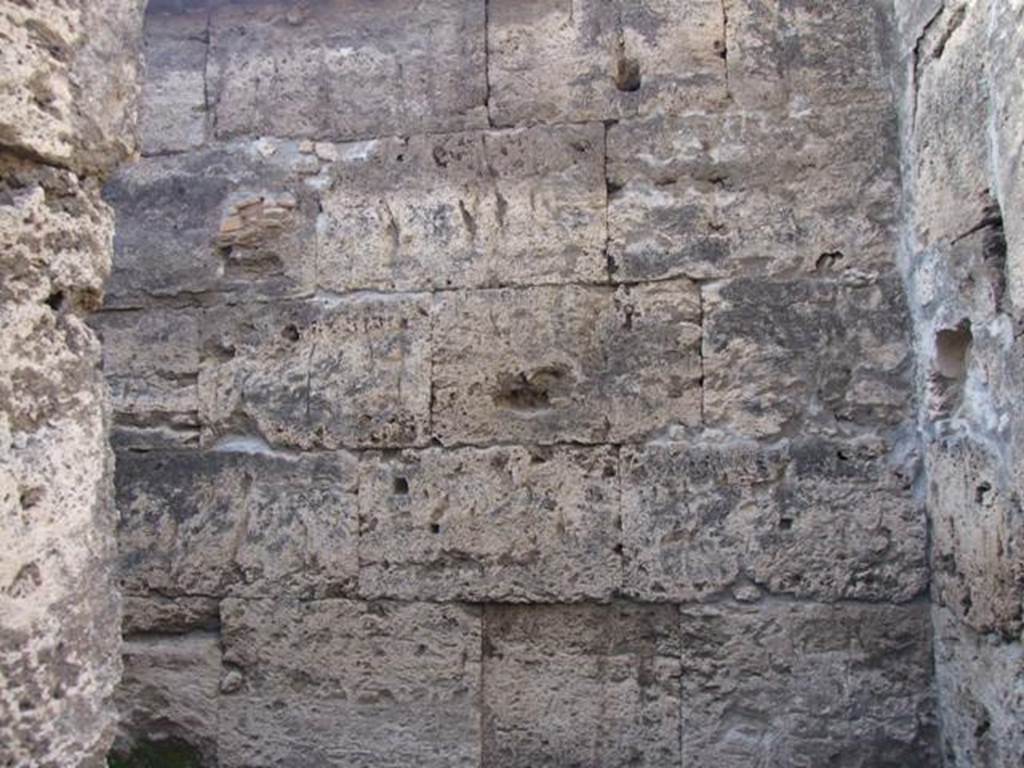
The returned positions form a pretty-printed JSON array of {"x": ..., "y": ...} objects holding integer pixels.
[{"x": 67, "y": 93}]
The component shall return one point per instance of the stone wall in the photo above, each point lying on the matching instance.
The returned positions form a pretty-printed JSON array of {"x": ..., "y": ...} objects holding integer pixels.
[
  {"x": 962, "y": 66},
  {"x": 67, "y": 93},
  {"x": 518, "y": 383}
]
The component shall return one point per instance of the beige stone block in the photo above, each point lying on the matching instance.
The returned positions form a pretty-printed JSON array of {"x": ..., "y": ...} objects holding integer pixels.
[
  {"x": 343, "y": 683},
  {"x": 347, "y": 69},
  {"x": 599, "y": 59},
  {"x": 466, "y": 209},
  {"x": 570, "y": 364},
  {"x": 509, "y": 524},
  {"x": 594, "y": 685}
]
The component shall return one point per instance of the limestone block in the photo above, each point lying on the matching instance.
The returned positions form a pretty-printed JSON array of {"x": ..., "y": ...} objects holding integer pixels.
[
  {"x": 800, "y": 684},
  {"x": 325, "y": 373},
  {"x": 569, "y": 364},
  {"x": 467, "y": 209},
  {"x": 711, "y": 196},
  {"x": 951, "y": 177},
  {"x": 69, "y": 86},
  {"x": 172, "y": 106},
  {"x": 347, "y": 69},
  {"x": 151, "y": 364},
  {"x": 593, "y": 685},
  {"x": 508, "y": 524},
  {"x": 977, "y": 538},
  {"x": 596, "y": 60},
  {"x": 815, "y": 356},
  {"x": 701, "y": 521},
  {"x": 980, "y": 687},
  {"x": 211, "y": 524},
  {"x": 156, "y": 614},
  {"x": 236, "y": 219},
  {"x": 169, "y": 694},
  {"x": 809, "y": 54},
  {"x": 343, "y": 683}
]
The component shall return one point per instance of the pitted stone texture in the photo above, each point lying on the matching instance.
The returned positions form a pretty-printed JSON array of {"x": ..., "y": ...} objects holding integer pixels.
[
  {"x": 800, "y": 684},
  {"x": 347, "y": 69},
  {"x": 809, "y": 54},
  {"x": 980, "y": 684},
  {"x": 320, "y": 374},
  {"x": 151, "y": 363},
  {"x": 951, "y": 177},
  {"x": 698, "y": 522},
  {"x": 69, "y": 87},
  {"x": 601, "y": 59},
  {"x": 711, "y": 196},
  {"x": 155, "y": 614},
  {"x": 588, "y": 685},
  {"x": 508, "y": 524},
  {"x": 977, "y": 539},
  {"x": 172, "y": 106},
  {"x": 801, "y": 357},
  {"x": 169, "y": 692},
  {"x": 467, "y": 209},
  {"x": 344, "y": 683},
  {"x": 243, "y": 524},
  {"x": 235, "y": 219},
  {"x": 569, "y": 364}
]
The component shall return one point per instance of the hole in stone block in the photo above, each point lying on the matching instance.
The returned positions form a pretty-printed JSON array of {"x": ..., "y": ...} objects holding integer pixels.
[
  {"x": 627, "y": 75},
  {"x": 56, "y": 301},
  {"x": 952, "y": 346},
  {"x": 401, "y": 486}
]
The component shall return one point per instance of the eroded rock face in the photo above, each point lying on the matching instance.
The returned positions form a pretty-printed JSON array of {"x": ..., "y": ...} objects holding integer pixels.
[
  {"x": 66, "y": 119},
  {"x": 518, "y": 384}
]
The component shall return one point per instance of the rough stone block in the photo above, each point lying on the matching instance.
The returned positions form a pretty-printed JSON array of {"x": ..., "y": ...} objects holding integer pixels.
[
  {"x": 344, "y": 683},
  {"x": 169, "y": 694},
  {"x": 211, "y": 524},
  {"x": 699, "y": 522},
  {"x": 977, "y": 538},
  {"x": 319, "y": 374},
  {"x": 69, "y": 87},
  {"x": 235, "y": 219},
  {"x": 782, "y": 357},
  {"x": 172, "y": 106},
  {"x": 798, "y": 684},
  {"x": 567, "y": 364},
  {"x": 809, "y": 54},
  {"x": 584, "y": 685},
  {"x": 151, "y": 363},
  {"x": 602, "y": 59},
  {"x": 710, "y": 196},
  {"x": 467, "y": 209},
  {"x": 348, "y": 69},
  {"x": 155, "y": 614},
  {"x": 510, "y": 524},
  {"x": 951, "y": 178}
]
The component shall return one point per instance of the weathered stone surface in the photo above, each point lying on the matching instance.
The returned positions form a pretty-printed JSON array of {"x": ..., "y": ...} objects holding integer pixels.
[
  {"x": 343, "y": 683},
  {"x": 69, "y": 86},
  {"x": 466, "y": 209},
  {"x": 977, "y": 539},
  {"x": 325, "y": 373},
  {"x": 234, "y": 219},
  {"x": 169, "y": 692},
  {"x": 981, "y": 686},
  {"x": 951, "y": 174},
  {"x": 172, "y": 106},
  {"x": 800, "y": 684},
  {"x": 509, "y": 524},
  {"x": 600, "y": 59},
  {"x": 709, "y": 196},
  {"x": 802, "y": 357},
  {"x": 581, "y": 685},
  {"x": 209, "y": 524},
  {"x": 567, "y": 364},
  {"x": 155, "y": 614},
  {"x": 701, "y": 521},
  {"x": 347, "y": 69},
  {"x": 808, "y": 54},
  {"x": 151, "y": 363}
]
